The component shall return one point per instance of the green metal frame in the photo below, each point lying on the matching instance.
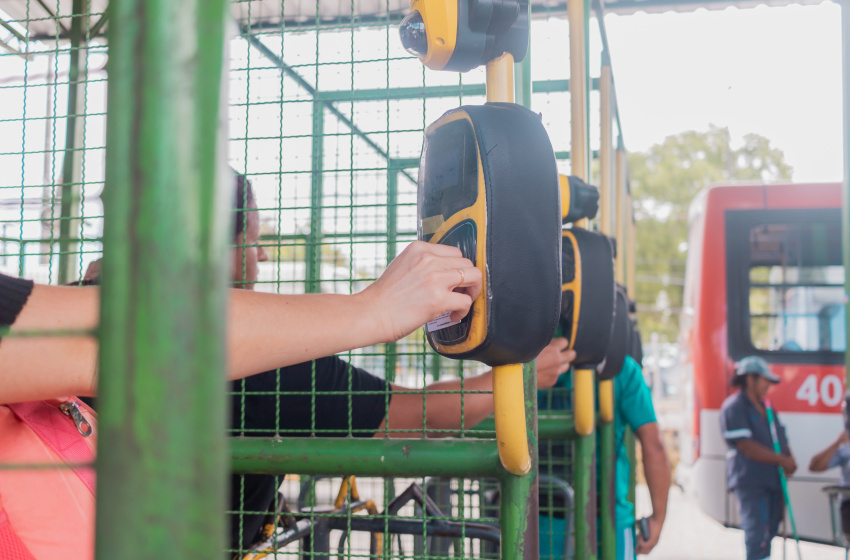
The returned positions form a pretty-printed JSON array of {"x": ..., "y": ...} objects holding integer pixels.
[
  {"x": 161, "y": 461},
  {"x": 71, "y": 193},
  {"x": 163, "y": 309}
]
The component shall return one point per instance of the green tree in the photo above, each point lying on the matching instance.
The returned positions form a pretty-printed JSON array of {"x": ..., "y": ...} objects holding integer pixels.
[{"x": 664, "y": 181}]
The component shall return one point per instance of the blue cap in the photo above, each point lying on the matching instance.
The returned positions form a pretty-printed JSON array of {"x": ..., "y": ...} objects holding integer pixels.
[{"x": 754, "y": 365}]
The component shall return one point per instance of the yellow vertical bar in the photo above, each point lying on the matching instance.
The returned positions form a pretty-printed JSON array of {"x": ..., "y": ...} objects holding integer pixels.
[
  {"x": 500, "y": 79},
  {"x": 578, "y": 90},
  {"x": 606, "y": 150},
  {"x": 619, "y": 213},
  {"x": 584, "y": 393},
  {"x": 584, "y": 380}
]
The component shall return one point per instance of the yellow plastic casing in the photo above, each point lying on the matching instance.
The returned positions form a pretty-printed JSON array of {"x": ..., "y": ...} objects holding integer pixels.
[
  {"x": 440, "y": 18},
  {"x": 477, "y": 213},
  {"x": 575, "y": 285}
]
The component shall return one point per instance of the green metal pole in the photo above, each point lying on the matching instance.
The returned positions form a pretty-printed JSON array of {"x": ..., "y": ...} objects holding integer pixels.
[
  {"x": 314, "y": 245},
  {"x": 366, "y": 457},
  {"x": 584, "y": 474},
  {"x": 549, "y": 426},
  {"x": 161, "y": 463},
  {"x": 845, "y": 211},
  {"x": 607, "y": 485},
  {"x": 520, "y": 499},
  {"x": 390, "y": 358},
  {"x": 72, "y": 159}
]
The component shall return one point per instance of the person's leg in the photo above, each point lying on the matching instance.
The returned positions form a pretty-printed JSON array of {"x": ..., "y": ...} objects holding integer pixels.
[
  {"x": 626, "y": 543},
  {"x": 552, "y": 537},
  {"x": 755, "y": 508},
  {"x": 776, "y": 512}
]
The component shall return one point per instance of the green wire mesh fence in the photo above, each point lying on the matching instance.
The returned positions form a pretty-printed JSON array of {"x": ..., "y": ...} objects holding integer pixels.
[
  {"x": 327, "y": 114},
  {"x": 52, "y": 122}
]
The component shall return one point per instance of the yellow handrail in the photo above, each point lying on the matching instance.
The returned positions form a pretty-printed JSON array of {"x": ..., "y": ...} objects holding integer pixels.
[
  {"x": 509, "y": 405},
  {"x": 583, "y": 401}
]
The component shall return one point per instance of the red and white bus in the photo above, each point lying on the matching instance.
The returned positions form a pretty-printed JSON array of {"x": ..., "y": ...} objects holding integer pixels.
[{"x": 764, "y": 277}]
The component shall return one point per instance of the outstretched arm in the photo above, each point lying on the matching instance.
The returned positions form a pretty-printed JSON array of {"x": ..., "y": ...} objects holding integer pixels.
[
  {"x": 656, "y": 467},
  {"x": 39, "y": 367},
  {"x": 442, "y": 400},
  {"x": 820, "y": 462},
  {"x": 265, "y": 331}
]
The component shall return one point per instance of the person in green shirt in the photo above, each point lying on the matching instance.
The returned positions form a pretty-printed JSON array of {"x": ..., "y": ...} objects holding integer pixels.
[{"x": 633, "y": 408}]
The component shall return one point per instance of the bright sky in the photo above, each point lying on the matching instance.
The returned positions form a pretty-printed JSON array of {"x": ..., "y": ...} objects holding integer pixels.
[{"x": 771, "y": 71}]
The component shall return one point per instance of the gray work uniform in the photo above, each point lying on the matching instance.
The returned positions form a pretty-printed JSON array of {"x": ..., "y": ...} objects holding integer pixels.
[{"x": 756, "y": 484}]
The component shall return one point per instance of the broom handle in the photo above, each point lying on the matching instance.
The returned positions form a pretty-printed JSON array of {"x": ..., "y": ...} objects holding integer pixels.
[{"x": 774, "y": 436}]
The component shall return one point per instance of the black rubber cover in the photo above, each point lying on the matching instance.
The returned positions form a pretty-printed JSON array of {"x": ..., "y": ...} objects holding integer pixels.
[
  {"x": 636, "y": 344},
  {"x": 486, "y": 30},
  {"x": 620, "y": 343},
  {"x": 596, "y": 314},
  {"x": 523, "y": 234},
  {"x": 584, "y": 200}
]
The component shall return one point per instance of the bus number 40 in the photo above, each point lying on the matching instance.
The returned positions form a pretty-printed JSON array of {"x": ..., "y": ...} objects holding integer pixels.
[{"x": 831, "y": 390}]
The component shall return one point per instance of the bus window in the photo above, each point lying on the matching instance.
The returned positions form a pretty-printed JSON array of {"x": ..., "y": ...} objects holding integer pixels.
[{"x": 786, "y": 283}]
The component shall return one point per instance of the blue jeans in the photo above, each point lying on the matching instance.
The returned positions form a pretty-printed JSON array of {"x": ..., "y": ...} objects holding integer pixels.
[{"x": 761, "y": 512}]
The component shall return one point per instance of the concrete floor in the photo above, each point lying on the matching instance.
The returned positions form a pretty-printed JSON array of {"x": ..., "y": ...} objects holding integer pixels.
[{"x": 689, "y": 534}]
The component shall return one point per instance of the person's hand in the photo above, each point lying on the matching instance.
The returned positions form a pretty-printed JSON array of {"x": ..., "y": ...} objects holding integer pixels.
[
  {"x": 423, "y": 282},
  {"x": 843, "y": 438},
  {"x": 93, "y": 270},
  {"x": 552, "y": 361},
  {"x": 645, "y": 546},
  {"x": 788, "y": 464}
]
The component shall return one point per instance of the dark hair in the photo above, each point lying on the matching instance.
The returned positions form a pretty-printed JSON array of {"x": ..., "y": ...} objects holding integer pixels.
[
  {"x": 244, "y": 199},
  {"x": 86, "y": 282},
  {"x": 740, "y": 380}
]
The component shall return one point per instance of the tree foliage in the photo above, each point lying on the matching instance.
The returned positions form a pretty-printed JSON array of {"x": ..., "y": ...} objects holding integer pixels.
[{"x": 664, "y": 181}]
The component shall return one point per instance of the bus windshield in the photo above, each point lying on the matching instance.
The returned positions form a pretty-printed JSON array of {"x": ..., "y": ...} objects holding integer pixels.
[{"x": 796, "y": 287}]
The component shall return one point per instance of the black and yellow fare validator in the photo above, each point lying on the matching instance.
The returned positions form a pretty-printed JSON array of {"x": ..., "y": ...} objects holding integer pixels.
[
  {"x": 459, "y": 35},
  {"x": 588, "y": 299},
  {"x": 488, "y": 184},
  {"x": 621, "y": 338}
]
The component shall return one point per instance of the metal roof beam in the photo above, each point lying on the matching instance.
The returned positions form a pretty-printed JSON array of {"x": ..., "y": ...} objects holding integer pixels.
[
  {"x": 53, "y": 17},
  {"x": 431, "y": 92},
  {"x": 286, "y": 69}
]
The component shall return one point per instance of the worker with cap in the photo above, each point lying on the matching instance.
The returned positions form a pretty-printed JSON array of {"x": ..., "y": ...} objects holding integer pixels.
[{"x": 752, "y": 467}]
